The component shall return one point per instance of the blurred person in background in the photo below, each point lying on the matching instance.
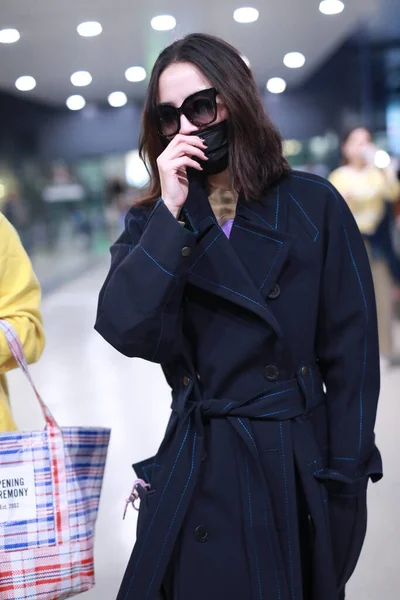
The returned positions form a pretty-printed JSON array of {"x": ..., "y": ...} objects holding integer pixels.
[
  {"x": 83, "y": 227},
  {"x": 251, "y": 286},
  {"x": 117, "y": 205},
  {"x": 370, "y": 192},
  {"x": 20, "y": 306},
  {"x": 17, "y": 213}
]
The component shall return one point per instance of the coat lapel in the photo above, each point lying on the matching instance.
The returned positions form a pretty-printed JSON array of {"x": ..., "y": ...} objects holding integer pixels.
[
  {"x": 260, "y": 240},
  {"x": 244, "y": 268}
]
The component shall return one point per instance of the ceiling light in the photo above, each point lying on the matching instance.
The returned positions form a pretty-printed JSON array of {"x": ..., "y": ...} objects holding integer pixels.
[
  {"x": 81, "y": 78},
  {"x": 117, "y": 99},
  {"x": 26, "y": 83},
  {"x": 276, "y": 85},
  {"x": 382, "y": 159},
  {"x": 76, "y": 102},
  {"x": 246, "y": 61},
  {"x": 246, "y": 15},
  {"x": 9, "y": 36},
  {"x": 163, "y": 22},
  {"x": 135, "y": 74},
  {"x": 89, "y": 29},
  {"x": 331, "y": 7},
  {"x": 294, "y": 60}
]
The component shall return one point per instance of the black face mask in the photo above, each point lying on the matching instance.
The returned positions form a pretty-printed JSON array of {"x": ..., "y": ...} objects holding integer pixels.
[{"x": 217, "y": 151}]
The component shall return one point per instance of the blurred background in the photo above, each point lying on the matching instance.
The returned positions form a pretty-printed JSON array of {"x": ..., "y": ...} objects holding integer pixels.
[
  {"x": 70, "y": 104},
  {"x": 72, "y": 83}
]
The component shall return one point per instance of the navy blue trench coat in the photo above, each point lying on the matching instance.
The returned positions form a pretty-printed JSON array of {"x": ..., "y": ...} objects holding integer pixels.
[{"x": 269, "y": 343}]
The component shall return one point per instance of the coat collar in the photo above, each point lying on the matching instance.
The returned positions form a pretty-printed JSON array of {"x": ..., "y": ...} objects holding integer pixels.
[{"x": 244, "y": 268}]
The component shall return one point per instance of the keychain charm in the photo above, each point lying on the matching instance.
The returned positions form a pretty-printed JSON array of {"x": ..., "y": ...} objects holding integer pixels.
[{"x": 134, "y": 495}]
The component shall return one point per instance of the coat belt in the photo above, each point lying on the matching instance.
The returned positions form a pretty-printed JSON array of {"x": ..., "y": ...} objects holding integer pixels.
[{"x": 287, "y": 402}]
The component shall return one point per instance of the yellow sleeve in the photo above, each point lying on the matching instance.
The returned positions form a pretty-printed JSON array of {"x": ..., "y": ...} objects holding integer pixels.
[
  {"x": 340, "y": 181},
  {"x": 337, "y": 180},
  {"x": 19, "y": 298}
]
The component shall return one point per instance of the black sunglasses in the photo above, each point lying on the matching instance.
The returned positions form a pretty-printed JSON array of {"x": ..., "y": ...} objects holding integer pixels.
[{"x": 199, "y": 108}]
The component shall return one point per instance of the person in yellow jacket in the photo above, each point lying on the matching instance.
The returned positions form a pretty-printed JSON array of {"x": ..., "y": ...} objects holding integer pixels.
[
  {"x": 20, "y": 306},
  {"x": 367, "y": 190}
]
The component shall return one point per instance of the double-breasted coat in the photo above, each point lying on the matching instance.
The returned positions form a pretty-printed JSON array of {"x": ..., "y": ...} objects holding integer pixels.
[{"x": 269, "y": 343}]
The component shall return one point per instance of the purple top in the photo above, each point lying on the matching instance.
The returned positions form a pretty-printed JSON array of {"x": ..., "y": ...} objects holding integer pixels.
[{"x": 227, "y": 227}]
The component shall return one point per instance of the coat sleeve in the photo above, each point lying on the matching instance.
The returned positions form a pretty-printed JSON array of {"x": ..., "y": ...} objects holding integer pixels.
[
  {"x": 139, "y": 309},
  {"x": 347, "y": 347},
  {"x": 19, "y": 298}
]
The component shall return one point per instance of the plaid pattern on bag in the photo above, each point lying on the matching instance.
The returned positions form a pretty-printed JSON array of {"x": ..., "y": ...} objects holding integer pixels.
[{"x": 50, "y": 485}]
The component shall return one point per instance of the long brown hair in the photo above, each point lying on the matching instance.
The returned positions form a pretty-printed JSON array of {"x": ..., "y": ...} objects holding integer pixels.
[{"x": 256, "y": 160}]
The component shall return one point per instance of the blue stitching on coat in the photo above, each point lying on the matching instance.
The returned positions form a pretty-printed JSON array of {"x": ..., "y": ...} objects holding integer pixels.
[
  {"x": 269, "y": 272},
  {"x": 278, "y": 412},
  {"x": 257, "y": 215},
  {"x": 174, "y": 517},
  {"x": 251, "y": 526},
  {"x": 277, "y": 393},
  {"x": 277, "y": 207},
  {"x": 204, "y": 251},
  {"x": 330, "y": 473},
  {"x": 156, "y": 511},
  {"x": 249, "y": 434},
  {"x": 213, "y": 219},
  {"x": 225, "y": 407},
  {"x": 276, "y": 255},
  {"x": 357, "y": 272},
  {"x": 233, "y": 292},
  {"x": 263, "y": 397},
  {"x": 306, "y": 215},
  {"x": 145, "y": 469},
  {"x": 161, "y": 332},
  {"x": 128, "y": 226},
  {"x": 343, "y": 458},
  {"x": 287, "y": 510},
  {"x": 158, "y": 264},
  {"x": 336, "y": 196},
  {"x": 259, "y": 234}
]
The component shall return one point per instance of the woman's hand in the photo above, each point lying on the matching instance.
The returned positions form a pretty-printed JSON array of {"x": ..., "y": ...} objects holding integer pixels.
[{"x": 172, "y": 165}]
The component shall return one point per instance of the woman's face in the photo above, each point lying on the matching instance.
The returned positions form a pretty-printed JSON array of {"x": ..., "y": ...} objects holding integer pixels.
[
  {"x": 180, "y": 80},
  {"x": 357, "y": 146}
]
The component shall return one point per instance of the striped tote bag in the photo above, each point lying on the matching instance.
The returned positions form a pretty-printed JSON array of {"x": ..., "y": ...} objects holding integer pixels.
[{"x": 50, "y": 485}]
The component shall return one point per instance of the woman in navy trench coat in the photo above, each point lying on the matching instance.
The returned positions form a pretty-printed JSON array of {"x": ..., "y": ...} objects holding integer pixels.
[{"x": 268, "y": 340}]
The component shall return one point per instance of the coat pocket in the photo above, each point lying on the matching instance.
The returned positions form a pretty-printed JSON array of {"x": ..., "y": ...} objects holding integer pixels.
[
  {"x": 145, "y": 495},
  {"x": 147, "y": 471},
  {"x": 347, "y": 510}
]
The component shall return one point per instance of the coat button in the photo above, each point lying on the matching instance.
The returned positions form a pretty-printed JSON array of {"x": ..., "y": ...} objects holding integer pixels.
[
  {"x": 186, "y": 381},
  {"x": 186, "y": 251},
  {"x": 271, "y": 373},
  {"x": 275, "y": 292},
  {"x": 201, "y": 534},
  {"x": 304, "y": 371}
]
